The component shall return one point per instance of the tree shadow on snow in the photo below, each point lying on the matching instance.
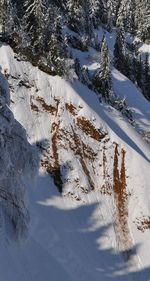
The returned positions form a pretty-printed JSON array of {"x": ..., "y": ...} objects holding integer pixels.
[
  {"x": 87, "y": 96},
  {"x": 79, "y": 245}
]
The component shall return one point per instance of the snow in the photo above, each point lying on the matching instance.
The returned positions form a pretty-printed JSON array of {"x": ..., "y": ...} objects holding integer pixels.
[
  {"x": 123, "y": 87},
  {"x": 68, "y": 239},
  {"x": 138, "y": 104},
  {"x": 17, "y": 161},
  {"x": 144, "y": 48}
]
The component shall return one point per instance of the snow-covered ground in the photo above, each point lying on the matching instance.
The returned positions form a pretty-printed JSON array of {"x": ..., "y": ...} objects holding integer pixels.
[
  {"x": 83, "y": 239},
  {"x": 123, "y": 87}
]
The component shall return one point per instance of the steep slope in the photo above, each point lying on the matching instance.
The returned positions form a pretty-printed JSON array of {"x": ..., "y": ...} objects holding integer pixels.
[
  {"x": 122, "y": 86},
  {"x": 17, "y": 159},
  {"x": 99, "y": 228}
]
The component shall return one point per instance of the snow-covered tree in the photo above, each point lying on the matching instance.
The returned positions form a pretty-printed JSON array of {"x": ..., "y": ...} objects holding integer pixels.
[
  {"x": 119, "y": 51},
  {"x": 131, "y": 17},
  {"x": 146, "y": 77},
  {"x": 2, "y": 13},
  {"x": 102, "y": 78},
  {"x": 85, "y": 77},
  {"x": 77, "y": 67},
  {"x": 87, "y": 19},
  {"x": 122, "y": 106},
  {"x": 138, "y": 70},
  {"x": 35, "y": 16},
  {"x": 142, "y": 19},
  {"x": 97, "y": 9},
  {"x": 69, "y": 70},
  {"x": 74, "y": 14},
  {"x": 6, "y": 12},
  {"x": 110, "y": 15}
]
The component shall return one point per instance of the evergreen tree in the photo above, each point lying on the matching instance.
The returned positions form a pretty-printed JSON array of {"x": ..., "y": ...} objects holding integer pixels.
[
  {"x": 54, "y": 57},
  {"x": 5, "y": 6},
  {"x": 142, "y": 19},
  {"x": 131, "y": 17},
  {"x": 74, "y": 14},
  {"x": 87, "y": 19},
  {"x": 97, "y": 10},
  {"x": 146, "y": 78},
  {"x": 128, "y": 65},
  {"x": 126, "y": 15},
  {"x": 111, "y": 14},
  {"x": 2, "y": 18},
  {"x": 119, "y": 51},
  {"x": 56, "y": 44},
  {"x": 85, "y": 77},
  {"x": 102, "y": 78},
  {"x": 34, "y": 17},
  {"x": 138, "y": 70},
  {"x": 78, "y": 70},
  {"x": 116, "y": 10},
  {"x": 122, "y": 57}
]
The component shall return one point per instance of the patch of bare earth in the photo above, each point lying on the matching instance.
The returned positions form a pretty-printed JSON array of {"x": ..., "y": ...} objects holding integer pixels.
[
  {"x": 34, "y": 107},
  {"x": 87, "y": 127},
  {"x": 143, "y": 223},
  {"x": 106, "y": 188},
  {"x": 121, "y": 201},
  {"x": 71, "y": 108},
  {"x": 70, "y": 139},
  {"x": 51, "y": 164},
  {"x": 46, "y": 107},
  {"x": 82, "y": 151},
  {"x": 37, "y": 102}
]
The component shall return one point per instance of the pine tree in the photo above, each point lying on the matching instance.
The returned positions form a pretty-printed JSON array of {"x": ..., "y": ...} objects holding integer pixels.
[
  {"x": 54, "y": 57},
  {"x": 57, "y": 43},
  {"x": 87, "y": 19},
  {"x": 142, "y": 19},
  {"x": 2, "y": 12},
  {"x": 126, "y": 15},
  {"x": 34, "y": 16},
  {"x": 111, "y": 14},
  {"x": 128, "y": 64},
  {"x": 85, "y": 77},
  {"x": 119, "y": 51},
  {"x": 131, "y": 17},
  {"x": 146, "y": 77},
  {"x": 97, "y": 9},
  {"x": 74, "y": 14},
  {"x": 77, "y": 67},
  {"x": 138, "y": 70},
  {"x": 102, "y": 78},
  {"x": 4, "y": 15}
]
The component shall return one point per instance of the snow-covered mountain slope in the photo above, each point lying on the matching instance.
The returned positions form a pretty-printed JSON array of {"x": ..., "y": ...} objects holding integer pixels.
[
  {"x": 99, "y": 228},
  {"x": 122, "y": 86},
  {"x": 17, "y": 160}
]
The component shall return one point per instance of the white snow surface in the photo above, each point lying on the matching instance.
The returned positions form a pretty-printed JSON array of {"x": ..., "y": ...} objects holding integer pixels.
[{"x": 73, "y": 239}]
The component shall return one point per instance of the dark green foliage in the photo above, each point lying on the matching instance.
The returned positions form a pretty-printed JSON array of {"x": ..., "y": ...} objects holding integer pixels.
[
  {"x": 119, "y": 51},
  {"x": 138, "y": 70},
  {"x": 102, "y": 78},
  {"x": 37, "y": 29},
  {"x": 74, "y": 15},
  {"x": 142, "y": 19},
  {"x": 78, "y": 70},
  {"x": 85, "y": 77},
  {"x": 122, "y": 56},
  {"x": 146, "y": 78}
]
